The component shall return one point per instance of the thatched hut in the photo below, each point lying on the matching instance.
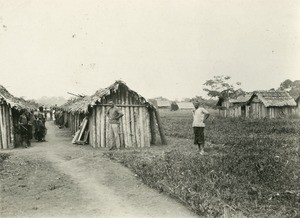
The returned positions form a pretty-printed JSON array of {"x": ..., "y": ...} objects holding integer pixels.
[
  {"x": 185, "y": 105},
  {"x": 10, "y": 107},
  {"x": 163, "y": 104},
  {"x": 74, "y": 112},
  {"x": 271, "y": 104},
  {"x": 234, "y": 107},
  {"x": 137, "y": 128}
]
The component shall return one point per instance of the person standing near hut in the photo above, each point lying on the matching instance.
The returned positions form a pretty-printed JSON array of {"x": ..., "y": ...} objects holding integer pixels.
[
  {"x": 23, "y": 128},
  {"x": 200, "y": 115},
  {"x": 114, "y": 114},
  {"x": 41, "y": 117},
  {"x": 30, "y": 120}
]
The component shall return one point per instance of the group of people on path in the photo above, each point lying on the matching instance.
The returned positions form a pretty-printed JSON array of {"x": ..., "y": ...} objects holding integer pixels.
[{"x": 32, "y": 124}]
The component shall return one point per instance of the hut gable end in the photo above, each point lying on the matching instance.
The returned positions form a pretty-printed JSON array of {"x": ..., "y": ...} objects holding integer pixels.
[{"x": 118, "y": 92}]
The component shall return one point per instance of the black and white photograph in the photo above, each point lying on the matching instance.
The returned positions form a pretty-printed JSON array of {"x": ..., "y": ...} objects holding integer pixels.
[{"x": 150, "y": 109}]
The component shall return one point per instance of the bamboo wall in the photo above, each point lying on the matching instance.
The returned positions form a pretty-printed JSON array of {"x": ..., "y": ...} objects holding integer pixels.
[
  {"x": 6, "y": 127},
  {"x": 232, "y": 110},
  {"x": 72, "y": 121},
  {"x": 134, "y": 127},
  {"x": 258, "y": 110},
  {"x": 274, "y": 112}
]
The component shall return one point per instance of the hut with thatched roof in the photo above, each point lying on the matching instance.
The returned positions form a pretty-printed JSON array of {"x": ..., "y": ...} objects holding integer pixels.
[
  {"x": 234, "y": 107},
  {"x": 74, "y": 112},
  {"x": 185, "y": 105},
  {"x": 137, "y": 127},
  {"x": 10, "y": 107},
  {"x": 271, "y": 104}
]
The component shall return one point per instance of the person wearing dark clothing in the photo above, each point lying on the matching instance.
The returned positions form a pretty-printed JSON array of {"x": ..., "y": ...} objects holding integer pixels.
[
  {"x": 39, "y": 130},
  {"x": 23, "y": 129},
  {"x": 199, "y": 117},
  {"x": 114, "y": 115},
  {"x": 30, "y": 121},
  {"x": 40, "y": 127}
]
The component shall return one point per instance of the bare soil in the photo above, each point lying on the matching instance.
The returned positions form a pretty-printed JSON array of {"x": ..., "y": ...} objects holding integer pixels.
[{"x": 59, "y": 179}]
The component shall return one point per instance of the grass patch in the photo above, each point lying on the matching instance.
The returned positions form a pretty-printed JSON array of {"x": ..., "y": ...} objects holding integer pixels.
[{"x": 251, "y": 166}]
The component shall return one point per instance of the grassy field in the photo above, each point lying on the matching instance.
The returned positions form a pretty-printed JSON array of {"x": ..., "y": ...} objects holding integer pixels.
[{"x": 251, "y": 167}]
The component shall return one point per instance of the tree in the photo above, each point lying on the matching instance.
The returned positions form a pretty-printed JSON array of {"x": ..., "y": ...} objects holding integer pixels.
[
  {"x": 220, "y": 86},
  {"x": 292, "y": 87}
]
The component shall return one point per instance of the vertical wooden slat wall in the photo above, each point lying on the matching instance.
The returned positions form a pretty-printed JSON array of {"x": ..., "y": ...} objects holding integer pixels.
[
  {"x": 6, "y": 127},
  {"x": 12, "y": 129},
  {"x": 2, "y": 138},
  {"x": 134, "y": 125}
]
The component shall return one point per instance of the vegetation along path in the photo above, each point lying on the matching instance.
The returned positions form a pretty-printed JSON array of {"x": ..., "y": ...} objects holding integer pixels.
[{"x": 56, "y": 178}]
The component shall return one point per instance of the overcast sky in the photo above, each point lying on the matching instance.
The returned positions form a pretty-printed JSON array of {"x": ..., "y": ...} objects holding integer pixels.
[{"x": 159, "y": 47}]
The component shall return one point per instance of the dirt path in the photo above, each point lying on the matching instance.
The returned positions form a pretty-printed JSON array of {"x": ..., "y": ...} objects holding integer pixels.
[{"x": 88, "y": 184}]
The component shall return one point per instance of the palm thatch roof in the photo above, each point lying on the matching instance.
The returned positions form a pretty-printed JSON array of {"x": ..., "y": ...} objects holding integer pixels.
[
  {"x": 239, "y": 100},
  {"x": 242, "y": 98},
  {"x": 163, "y": 103},
  {"x": 274, "y": 98},
  {"x": 14, "y": 102},
  {"x": 82, "y": 104}
]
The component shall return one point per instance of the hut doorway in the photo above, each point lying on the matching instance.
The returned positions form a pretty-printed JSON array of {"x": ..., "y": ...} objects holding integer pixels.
[{"x": 243, "y": 111}]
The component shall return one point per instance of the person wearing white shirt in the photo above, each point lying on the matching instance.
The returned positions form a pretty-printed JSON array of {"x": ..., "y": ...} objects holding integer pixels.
[{"x": 199, "y": 117}]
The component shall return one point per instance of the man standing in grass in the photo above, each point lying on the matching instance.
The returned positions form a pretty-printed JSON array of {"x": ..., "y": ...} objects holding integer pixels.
[
  {"x": 199, "y": 117},
  {"x": 114, "y": 114}
]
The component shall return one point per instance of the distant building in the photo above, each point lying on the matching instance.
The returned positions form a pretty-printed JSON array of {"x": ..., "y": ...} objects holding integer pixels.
[
  {"x": 185, "y": 105},
  {"x": 271, "y": 104},
  {"x": 164, "y": 104},
  {"x": 234, "y": 107},
  {"x": 161, "y": 103}
]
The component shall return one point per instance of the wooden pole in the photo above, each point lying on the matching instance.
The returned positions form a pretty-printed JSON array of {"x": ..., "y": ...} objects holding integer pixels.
[
  {"x": 160, "y": 128},
  {"x": 103, "y": 123},
  {"x": 133, "y": 129},
  {"x": 91, "y": 138},
  {"x": 12, "y": 129},
  {"x": 98, "y": 126},
  {"x": 107, "y": 129},
  {"x": 127, "y": 119},
  {"x": 137, "y": 126},
  {"x": 152, "y": 126},
  {"x": 147, "y": 127},
  {"x": 141, "y": 124},
  {"x": 3, "y": 127},
  {"x": 7, "y": 120}
]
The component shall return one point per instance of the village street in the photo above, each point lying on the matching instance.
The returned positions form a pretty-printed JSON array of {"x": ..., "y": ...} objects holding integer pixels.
[{"x": 59, "y": 179}]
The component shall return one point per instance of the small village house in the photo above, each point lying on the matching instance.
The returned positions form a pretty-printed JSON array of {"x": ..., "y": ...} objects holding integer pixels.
[
  {"x": 10, "y": 107},
  {"x": 72, "y": 115},
  {"x": 271, "y": 104},
  {"x": 185, "y": 106},
  {"x": 161, "y": 103},
  {"x": 137, "y": 128},
  {"x": 164, "y": 104},
  {"x": 234, "y": 107}
]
